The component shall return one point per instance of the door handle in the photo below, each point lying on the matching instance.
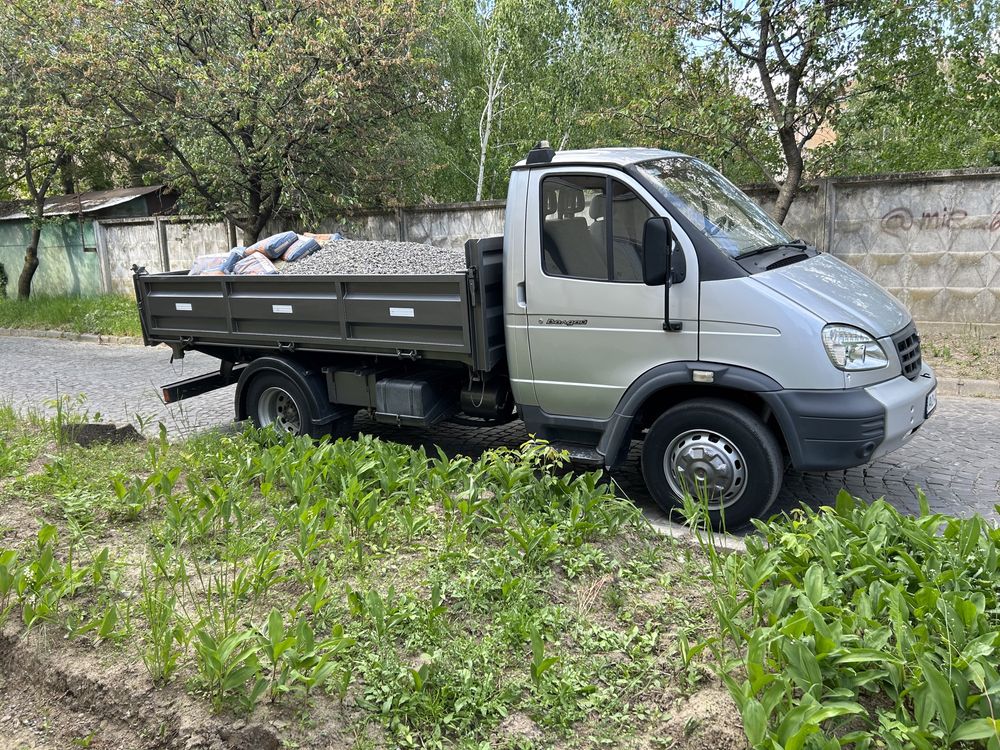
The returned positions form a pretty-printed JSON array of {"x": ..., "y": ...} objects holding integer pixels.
[{"x": 522, "y": 298}]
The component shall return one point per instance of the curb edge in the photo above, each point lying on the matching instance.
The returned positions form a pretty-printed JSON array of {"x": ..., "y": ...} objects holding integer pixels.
[{"x": 89, "y": 338}]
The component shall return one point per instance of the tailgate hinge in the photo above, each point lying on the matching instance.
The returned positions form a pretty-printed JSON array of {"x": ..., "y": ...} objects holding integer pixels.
[{"x": 472, "y": 279}]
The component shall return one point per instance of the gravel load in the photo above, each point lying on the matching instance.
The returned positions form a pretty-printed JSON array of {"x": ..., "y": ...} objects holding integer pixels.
[{"x": 340, "y": 257}]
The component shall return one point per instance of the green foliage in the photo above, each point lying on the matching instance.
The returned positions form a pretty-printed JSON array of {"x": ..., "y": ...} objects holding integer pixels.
[
  {"x": 40, "y": 583},
  {"x": 18, "y": 446},
  {"x": 296, "y": 661},
  {"x": 109, "y": 314},
  {"x": 928, "y": 94},
  {"x": 857, "y": 625},
  {"x": 253, "y": 108},
  {"x": 164, "y": 639},
  {"x": 415, "y": 590},
  {"x": 228, "y": 667}
]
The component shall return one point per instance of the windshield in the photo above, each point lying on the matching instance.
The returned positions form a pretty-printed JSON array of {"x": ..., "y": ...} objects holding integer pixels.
[{"x": 713, "y": 204}]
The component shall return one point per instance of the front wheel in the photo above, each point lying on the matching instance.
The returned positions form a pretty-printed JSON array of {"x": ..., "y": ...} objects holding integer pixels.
[{"x": 718, "y": 452}]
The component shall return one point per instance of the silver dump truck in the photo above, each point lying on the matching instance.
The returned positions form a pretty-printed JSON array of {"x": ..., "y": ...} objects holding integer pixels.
[{"x": 735, "y": 354}]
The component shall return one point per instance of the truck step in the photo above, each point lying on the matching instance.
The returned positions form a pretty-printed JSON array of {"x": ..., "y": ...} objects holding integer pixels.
[{"x": 580, "y": 453}]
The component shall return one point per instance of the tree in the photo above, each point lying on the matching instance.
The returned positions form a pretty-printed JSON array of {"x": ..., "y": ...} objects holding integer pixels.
[
  {"x": 770, "y": 73},
  {"x": 513, "y": 72},
  {"x": 254, "y": 107},
  {"x": 487, "y": 56},
  {"x": 43, "y": 120},
  {"x": 692, "y": 100},
  {"x": 934, "y": 94}
]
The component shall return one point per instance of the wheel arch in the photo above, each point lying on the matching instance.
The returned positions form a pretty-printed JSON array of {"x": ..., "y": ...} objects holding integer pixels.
[
  {"x": 309, "y": 381},
  {"x": 667, "y": 385}
]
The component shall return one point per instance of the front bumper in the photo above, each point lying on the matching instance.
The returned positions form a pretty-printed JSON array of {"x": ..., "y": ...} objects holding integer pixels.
[
  {"x": 835, "y": 430},
  {"x": 904, "y": 402}
]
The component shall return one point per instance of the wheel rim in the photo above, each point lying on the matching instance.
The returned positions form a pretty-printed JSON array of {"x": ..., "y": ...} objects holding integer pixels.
[
  {"x": 705, "y": 464},
  {"x": 277, "y": 408}
]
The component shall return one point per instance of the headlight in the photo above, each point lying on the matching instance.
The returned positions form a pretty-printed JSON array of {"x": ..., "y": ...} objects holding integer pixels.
[{"x": 852, "y": 349}]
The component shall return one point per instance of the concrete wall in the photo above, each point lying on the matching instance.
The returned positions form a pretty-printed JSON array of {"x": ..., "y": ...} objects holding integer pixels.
[
  {"x": 934, "y": 242},
  {"x": 933, "y": 239}
]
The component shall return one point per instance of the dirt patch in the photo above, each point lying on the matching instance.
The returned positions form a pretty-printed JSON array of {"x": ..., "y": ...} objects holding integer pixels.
[
  {"x": 972, "y": 355},
  {"x": 708, "y": 720},
  {"x": 56, "y": 694},
  {"x": 59, "y": 695},
  {"x": 19, "y": 522},
  {"x": 518, "y": 727}
]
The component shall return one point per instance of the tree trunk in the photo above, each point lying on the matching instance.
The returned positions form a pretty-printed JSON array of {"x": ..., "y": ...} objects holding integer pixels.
[
  {"x": 30, "y": 265},
  {"x": 484, "y": 142},
  {"x": 248, "y": 229},
  {"x": 789, "y": 189},
  {"x": 494, "y": 91},
  {"x": 796, "y": 168},
  {"x": 67, "y": 177}
]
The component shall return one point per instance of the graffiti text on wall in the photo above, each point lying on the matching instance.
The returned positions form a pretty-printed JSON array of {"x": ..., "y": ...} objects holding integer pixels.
[{"x": 903, "y": 220}]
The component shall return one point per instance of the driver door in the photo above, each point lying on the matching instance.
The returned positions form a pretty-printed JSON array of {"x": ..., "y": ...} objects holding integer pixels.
[{"x": 593, "y": 326}]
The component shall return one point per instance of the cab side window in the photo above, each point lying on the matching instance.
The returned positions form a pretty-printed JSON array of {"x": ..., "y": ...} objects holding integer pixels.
[
  {"x": 628, "y": 220},
  {"x": 592, "y": 228},
  {"x": 569, "y": 247}
]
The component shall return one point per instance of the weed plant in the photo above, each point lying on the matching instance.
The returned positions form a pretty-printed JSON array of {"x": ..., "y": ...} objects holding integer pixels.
[
  {"x": 858, "y": 626},
  {"x": 430, "y": 596}
]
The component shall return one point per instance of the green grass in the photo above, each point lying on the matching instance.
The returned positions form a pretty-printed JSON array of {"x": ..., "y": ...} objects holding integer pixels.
[
  {"x": 109, "y": 314},
  {"x": 368, "y": 590},
  {"x": 419, "y": 599},
  {"x": 860, "y": 626}
]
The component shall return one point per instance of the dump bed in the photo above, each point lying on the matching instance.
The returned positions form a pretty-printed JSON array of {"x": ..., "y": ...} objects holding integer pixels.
[{"x": 435, "y": 316}]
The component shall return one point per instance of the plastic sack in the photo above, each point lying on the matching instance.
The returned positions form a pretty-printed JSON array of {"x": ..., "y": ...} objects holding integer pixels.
[
  {"x": 216, "y": 265},
  {"x": 274, "y": 246},
  {"x": 255, "y": 265},
  {"x": 299, "y": 249},
  {"x": 322, "y": 237}
]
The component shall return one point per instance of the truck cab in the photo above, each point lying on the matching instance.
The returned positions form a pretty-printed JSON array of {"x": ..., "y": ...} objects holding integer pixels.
[
  {"x": 748, "y": 351},
  {"x": 636, "y": 295}
]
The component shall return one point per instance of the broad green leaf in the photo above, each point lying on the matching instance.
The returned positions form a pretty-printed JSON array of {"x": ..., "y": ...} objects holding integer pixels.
[
  {"x": 940, "y": 692},
  {"x": 976, "y": 729}
]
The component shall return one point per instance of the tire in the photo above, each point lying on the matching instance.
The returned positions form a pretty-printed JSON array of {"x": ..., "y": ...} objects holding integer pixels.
[
  {"x": 275, "y": 399},
  {"x": 716, "y": 443}
]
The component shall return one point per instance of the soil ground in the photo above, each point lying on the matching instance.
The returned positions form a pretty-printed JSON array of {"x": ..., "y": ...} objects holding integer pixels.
[{"x": 970, "y": 355}]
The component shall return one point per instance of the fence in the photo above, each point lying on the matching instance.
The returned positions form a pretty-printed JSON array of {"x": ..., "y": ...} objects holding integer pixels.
[{"x": 932, "y": 239}]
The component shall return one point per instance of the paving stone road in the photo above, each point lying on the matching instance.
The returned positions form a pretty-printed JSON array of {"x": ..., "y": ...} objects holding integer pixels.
[{"x": 955, "y": 457}]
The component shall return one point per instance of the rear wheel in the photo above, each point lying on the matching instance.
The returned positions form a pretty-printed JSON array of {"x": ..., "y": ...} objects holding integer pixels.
[
  {"x": 718, "y": 452},
  {"x": 275, "y": 400}
]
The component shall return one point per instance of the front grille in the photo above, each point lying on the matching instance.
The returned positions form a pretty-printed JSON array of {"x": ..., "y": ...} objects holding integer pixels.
[{"x": 908, "y": 347}]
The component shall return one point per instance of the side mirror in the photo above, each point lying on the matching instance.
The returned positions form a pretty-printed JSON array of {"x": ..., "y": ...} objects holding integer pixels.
[
  {"x": 657, "y": 261},
  {"x": 656, "y": 241}
]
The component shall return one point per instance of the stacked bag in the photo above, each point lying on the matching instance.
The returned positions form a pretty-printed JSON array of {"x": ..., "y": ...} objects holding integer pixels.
[{"x": 259, "y": 258}]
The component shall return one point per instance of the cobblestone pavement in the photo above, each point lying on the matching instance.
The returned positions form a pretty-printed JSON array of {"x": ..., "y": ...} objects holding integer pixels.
[{"x": 955, "y": 457}]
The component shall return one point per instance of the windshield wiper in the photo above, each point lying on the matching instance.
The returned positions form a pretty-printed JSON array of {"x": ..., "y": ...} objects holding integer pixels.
[{"x": 801, "y": 244}]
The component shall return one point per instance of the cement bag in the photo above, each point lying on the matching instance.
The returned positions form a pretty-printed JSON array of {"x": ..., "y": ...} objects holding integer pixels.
[
  {"x": 216, "y": 265},
  {"x": 255, "y": 265},
  {"x": 299, "y": 249},
  {"x": 274, "y": 246}
]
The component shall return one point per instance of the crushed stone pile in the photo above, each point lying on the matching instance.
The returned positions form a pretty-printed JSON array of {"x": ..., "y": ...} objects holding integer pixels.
[{"x": 378, "y": 257}]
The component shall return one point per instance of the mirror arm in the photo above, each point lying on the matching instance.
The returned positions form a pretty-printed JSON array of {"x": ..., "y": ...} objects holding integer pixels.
[{"x": 668, "y": 324}]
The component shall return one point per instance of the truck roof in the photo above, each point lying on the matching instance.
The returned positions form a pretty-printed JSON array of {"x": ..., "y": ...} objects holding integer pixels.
[{"x": 618, "y": 157}]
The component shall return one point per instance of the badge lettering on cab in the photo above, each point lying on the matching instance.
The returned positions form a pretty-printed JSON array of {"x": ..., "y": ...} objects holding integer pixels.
[{"x": 562, "y": 321}]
